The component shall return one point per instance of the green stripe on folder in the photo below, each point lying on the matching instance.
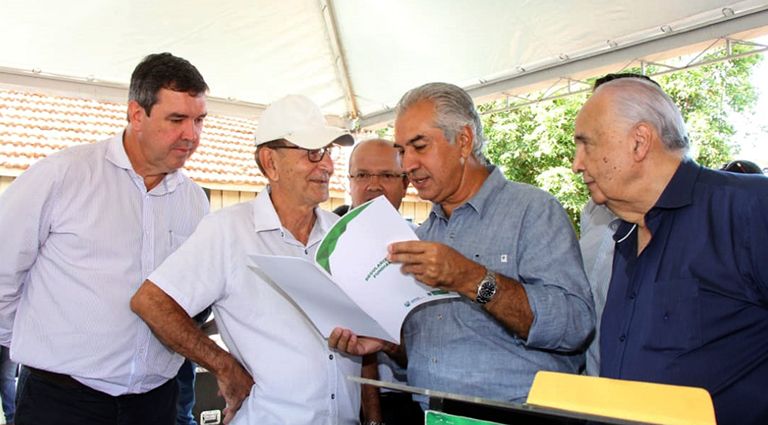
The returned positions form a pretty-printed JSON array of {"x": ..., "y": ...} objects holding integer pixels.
[
  {"x": 439, "y": 418},
  {"x": 329, "y": 242}
]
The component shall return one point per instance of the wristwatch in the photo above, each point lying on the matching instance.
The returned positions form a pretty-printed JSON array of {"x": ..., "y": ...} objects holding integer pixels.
[{"x": 486, "y": 289}]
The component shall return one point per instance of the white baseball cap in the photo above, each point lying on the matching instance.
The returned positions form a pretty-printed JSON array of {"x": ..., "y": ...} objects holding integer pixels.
[{"x": 297, "y": 119}]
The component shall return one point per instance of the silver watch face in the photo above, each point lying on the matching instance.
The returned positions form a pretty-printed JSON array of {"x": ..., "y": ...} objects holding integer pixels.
[{"x": 486, "y": 290}]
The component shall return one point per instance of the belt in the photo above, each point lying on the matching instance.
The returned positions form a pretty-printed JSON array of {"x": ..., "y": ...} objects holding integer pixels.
[{"x": 61, "y": 380}]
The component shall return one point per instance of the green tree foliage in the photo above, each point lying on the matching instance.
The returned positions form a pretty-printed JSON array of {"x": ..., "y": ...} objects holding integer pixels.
[{"x": 534, "y": 144}]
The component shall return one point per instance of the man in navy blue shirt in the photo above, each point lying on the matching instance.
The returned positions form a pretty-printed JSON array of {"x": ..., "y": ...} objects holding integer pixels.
[{"x": 688, "y": 299}]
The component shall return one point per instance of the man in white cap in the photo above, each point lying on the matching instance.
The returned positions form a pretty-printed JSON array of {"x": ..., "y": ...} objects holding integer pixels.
[{"x": 278, "y": 368}]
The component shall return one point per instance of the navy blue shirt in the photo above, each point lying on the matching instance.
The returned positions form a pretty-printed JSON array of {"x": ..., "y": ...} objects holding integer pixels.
[{"x": 692, "y": 309}]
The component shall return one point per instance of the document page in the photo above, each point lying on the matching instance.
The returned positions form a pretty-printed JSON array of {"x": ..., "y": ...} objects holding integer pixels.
[{"x": 351, "y": 284}]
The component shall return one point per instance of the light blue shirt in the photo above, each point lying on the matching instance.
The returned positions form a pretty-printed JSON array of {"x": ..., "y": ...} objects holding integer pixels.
[
  {"x": 598, "y": 224},
  {"x": 299, "y": 379},
  {"x": 523, "y": 233},
  {"x": 79, "y": 235}
]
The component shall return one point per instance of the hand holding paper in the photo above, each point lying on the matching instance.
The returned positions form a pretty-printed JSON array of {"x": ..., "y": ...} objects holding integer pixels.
[
  {"x": 352, "y": 284},
  {"x": 437, "y": 265}
]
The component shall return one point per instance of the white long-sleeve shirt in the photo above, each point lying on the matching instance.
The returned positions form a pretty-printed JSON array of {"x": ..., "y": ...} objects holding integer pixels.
[{"x": 78, "y": 235}]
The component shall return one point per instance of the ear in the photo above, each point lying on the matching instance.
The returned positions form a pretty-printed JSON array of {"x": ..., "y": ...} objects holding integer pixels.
[
  {"x": 466, "y": 140},
  {"x": 135, "y": 114},
  {"x": 643, "y": 136},
  {"x": 269, "y": 163}
]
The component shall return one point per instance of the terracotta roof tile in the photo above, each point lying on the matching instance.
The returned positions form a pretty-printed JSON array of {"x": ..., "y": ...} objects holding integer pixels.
[{"x": 35, "y": 125}]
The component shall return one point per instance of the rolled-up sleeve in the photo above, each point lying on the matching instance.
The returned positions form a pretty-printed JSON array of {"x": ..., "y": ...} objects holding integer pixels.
[{"x": 552, "y": 274}]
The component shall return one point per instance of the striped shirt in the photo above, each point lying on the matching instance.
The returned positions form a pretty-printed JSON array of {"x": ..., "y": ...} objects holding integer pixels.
[{"x": 80, "y": 235}]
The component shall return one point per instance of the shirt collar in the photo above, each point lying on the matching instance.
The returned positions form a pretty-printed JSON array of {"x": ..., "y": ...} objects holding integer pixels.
[
  {"x": 677, "y": 194},
  {"x": 116, "y": 152},
  {"x": 265, "y": 217},
  {"x": 478, "y": 202},
  {"x": 679, "y": 190},
  {"x": 116, "y": 155}
]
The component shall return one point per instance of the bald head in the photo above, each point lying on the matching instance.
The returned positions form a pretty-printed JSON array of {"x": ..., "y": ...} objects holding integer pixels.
[
  {"x": 630, "y": 138},
  {"x": 375, "y": 169},
  {"x": 636, "y": 100}
]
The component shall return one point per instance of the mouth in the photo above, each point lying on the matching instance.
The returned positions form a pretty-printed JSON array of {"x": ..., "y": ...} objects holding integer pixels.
[
  {"x": 324, "y": 179},
  {"x": 182, "y": 150},
  {"x": 418, "y": 181}
]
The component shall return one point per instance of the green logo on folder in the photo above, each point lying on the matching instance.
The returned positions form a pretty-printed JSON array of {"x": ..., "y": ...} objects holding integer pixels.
[{"x": 329, "y": 242}]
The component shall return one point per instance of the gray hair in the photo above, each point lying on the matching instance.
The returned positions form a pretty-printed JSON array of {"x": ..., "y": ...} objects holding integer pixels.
[
  {"x": 454, "y": 109},
  {"x": 636, "y": 100}
]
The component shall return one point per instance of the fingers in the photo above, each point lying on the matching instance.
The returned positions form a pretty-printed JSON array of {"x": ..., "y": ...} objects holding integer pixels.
[
  {"x": 333, "y": 339},
  {"x": 343, "y": 340},
  {"x": 414, "y": 247},
  {"x": 235, "y": 387},
  {"x": 348, "y": 342},
  {"x": 228, "y": 415}
]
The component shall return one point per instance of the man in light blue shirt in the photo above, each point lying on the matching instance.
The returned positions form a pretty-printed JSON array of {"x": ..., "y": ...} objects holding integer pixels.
[
  {"x": 507, "y": 248},
  {"x": 81, "y": 230}
]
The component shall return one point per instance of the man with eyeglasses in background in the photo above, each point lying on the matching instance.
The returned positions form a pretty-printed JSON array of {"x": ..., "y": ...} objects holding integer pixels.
[
  {"x": 375, "y": 169},
  {"x": 279, "y": 368}
]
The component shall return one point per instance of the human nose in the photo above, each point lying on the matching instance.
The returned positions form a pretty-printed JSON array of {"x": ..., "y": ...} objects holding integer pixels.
[
  {"x": 577, "y": 166},
  {"x": 326, "y": 163},
  {"x": 374, "y": 181},
  {"x": 409, "y": 162},
  {"x": 190, "y": 130}
]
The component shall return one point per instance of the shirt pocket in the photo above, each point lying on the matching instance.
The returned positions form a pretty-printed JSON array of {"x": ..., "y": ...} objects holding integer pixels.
[
  {"x": 175, "y": 240},
  {"x": 675, "y": 322}
]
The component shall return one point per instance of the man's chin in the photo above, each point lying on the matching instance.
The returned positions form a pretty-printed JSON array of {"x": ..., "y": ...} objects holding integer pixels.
[{"x": 599, "y": 198}]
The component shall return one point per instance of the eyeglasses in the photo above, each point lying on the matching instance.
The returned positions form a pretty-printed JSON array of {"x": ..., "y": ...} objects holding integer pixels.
[
  {"x": 367, "y": 177},
  {"x": 314, "y": 155}
]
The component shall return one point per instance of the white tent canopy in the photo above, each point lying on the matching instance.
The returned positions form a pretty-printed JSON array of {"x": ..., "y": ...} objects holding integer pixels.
[{"x": 354, "y": 58}]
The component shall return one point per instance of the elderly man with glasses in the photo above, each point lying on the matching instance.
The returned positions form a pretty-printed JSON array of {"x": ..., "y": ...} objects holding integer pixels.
[{"x": 279, "y": 369}]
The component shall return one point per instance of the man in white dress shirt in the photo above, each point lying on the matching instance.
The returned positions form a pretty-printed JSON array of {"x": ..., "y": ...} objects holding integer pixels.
[
  {"x": 279, "y": 369},
  {"x": 80, "y": 232}
]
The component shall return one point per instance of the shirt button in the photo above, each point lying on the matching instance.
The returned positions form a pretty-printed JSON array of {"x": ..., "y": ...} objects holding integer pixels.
[
  {"x": 632, "y": 296},
  {"x": 439, "y": 317},
  {"x": 622, "y": 338},
  {"x": 333, "y": 396},
  {"x": 434, "y": 359},
  {"x": 452, "y": 235},
  {"x": 306, "y": 252},
  {"x": 330, "y": 356}
]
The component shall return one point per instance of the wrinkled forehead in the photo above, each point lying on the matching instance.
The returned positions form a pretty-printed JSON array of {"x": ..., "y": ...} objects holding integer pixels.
[
  {"x": 596, "y": 110},
  {"x": 417, "y": 118}
]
